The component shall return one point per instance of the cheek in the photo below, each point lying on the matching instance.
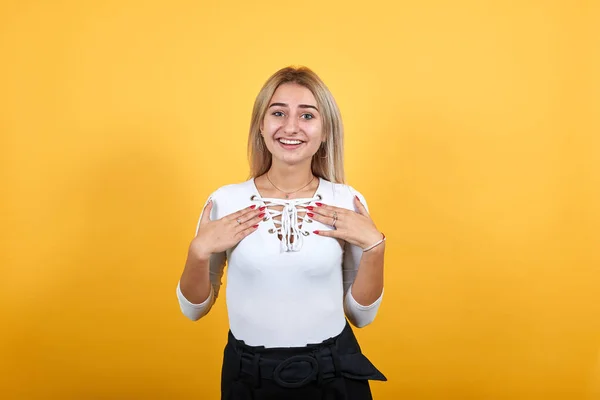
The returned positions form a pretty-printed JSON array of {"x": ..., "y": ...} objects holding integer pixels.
[
  {"x": 314, "y": 131},
  {"x": 271, "y": 124},
  {"x": 316, "y": 137}
]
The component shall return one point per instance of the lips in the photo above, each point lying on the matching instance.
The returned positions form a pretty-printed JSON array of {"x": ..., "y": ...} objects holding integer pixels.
[
  {"x": 289, "y": 141},
  {"x": 290, "y": 144}
]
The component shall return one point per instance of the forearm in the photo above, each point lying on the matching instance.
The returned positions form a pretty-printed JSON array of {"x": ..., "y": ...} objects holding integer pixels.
[
  {"x": 368, "y": 284},
  {"x": 195, "y": 280}
]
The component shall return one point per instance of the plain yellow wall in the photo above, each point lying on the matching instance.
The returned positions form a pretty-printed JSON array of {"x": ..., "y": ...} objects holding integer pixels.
[{"x": 472, "y": 129}]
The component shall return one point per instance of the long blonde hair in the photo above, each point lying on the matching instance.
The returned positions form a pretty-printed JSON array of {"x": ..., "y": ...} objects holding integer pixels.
[{"x": 328, "y": 161}]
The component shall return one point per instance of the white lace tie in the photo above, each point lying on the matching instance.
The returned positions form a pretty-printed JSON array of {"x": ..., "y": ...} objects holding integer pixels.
[{"x": 289, "y": 226}]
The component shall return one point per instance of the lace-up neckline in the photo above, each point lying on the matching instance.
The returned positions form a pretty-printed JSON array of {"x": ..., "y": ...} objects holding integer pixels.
[{"x": 291, "y": 228}]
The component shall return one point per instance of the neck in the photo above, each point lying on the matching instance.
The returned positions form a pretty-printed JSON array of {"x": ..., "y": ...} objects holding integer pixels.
[{"x": 290, "y": 177}]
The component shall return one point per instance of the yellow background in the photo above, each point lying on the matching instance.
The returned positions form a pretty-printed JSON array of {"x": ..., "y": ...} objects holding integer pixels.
[{"x": 472, "y": 129}]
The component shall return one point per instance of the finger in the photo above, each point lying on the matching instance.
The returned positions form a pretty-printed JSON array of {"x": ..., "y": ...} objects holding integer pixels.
[
  {"x": 240, "y": 213},
  {"x": 206, "y": 212},
  {"x": 250, "y": 212},
  {"x": 326, "y": 210},
  {"x": 334, "y": 234},
  {"x": 360, "y": 206},
  {"x": 324, "y": 219},
  {"x": 255, "y": 219},
  {"x": 245, "y": 232}
]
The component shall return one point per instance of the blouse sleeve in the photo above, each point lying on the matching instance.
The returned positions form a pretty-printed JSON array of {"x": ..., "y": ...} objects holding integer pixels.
[
  {"x": 216, "y": 267},
  {"x": 359, "y": 315}
]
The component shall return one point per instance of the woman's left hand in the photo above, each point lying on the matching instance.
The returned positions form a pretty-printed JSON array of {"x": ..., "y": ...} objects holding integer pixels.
[{"x": 356, "y": 228}]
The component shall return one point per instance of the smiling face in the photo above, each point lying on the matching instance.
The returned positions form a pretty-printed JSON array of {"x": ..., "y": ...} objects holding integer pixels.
[{"x": 292, "y": 126}]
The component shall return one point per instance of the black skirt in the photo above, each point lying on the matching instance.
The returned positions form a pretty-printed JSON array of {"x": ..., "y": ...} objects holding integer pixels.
[{"x": 335, "y": 369}]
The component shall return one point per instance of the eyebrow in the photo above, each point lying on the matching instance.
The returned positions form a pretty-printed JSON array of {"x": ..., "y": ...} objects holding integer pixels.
[{"x": 299, "y": 105}]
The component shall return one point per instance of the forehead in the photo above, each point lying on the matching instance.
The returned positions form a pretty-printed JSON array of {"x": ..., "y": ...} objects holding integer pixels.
[{"x": 292, "y": 94}]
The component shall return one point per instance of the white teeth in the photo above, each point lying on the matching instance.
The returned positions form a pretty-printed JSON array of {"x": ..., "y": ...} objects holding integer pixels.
[{"x": 285, "y": 141}]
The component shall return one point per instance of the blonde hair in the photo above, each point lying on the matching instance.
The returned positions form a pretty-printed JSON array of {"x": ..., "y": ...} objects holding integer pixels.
[{"x": 328, "y": 161}]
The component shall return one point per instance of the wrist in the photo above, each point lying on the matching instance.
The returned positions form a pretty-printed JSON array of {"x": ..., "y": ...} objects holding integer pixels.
[
  {"x": 199, "y": 255},
  {"x": 375, "y": 243}
]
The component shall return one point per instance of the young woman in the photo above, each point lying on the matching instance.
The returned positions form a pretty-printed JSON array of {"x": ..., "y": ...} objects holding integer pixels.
[{"x": 305, "y": 260}]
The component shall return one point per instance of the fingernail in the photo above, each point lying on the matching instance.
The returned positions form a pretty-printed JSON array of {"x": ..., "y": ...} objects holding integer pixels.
[
  {"x": 261, "y": 215},
  {"x": 253, "y": 206},
  {"x": 319, "y": 204},
  {"x": 316, "y": 232},
  {"x": 255, "y": 226},
  {"x": 262, "y": 208},
  {"x": 357, "y": 198},
  {"x": 310, "y": 214}
]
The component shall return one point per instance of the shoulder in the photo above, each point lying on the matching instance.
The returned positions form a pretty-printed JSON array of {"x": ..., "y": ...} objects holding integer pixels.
[
  {"x": 341, "y": 194},
  {"x": 231, "y": 198},
  {"x": 234, "y": 189}
]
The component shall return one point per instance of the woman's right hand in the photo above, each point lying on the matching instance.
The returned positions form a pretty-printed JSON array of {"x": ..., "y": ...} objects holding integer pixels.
[{"x": 222, "y": 234}]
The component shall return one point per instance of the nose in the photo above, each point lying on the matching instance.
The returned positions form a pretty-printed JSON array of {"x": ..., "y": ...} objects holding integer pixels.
[{"x": 291, "y": 125}]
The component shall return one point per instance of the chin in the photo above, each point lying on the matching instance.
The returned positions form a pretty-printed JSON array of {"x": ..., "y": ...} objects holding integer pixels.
[{"x": 293, "y": 160}]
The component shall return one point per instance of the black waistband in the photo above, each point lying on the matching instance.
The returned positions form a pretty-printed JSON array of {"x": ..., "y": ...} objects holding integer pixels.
[{"x": 297, "y": 366}]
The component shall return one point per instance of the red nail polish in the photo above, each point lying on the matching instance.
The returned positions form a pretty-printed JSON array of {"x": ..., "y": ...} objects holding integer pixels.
[
  {"x": 316, "y": 232},
  {"x": 253, "y": 206},
  {"x": 310, "y": 208},
  {"x": 261, "y": 215},
  {"x": 310, "y": 214},
  {"x": 262, "y": 208},
  {"x": 319, "y": 204},
  {"x": 255, "y": 226}
]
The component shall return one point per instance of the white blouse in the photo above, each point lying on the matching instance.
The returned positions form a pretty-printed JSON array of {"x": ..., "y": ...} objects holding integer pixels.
[{"x": 286, "y": 286}]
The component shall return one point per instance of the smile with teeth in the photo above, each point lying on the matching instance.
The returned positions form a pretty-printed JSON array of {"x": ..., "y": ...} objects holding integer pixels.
[{"x": 287, "y": 141}]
